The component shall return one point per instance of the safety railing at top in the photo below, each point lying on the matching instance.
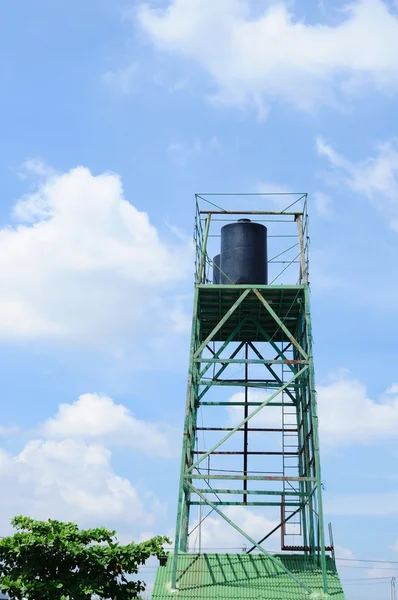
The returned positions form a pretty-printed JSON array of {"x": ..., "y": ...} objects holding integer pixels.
[{"x": 287, "y": 232}]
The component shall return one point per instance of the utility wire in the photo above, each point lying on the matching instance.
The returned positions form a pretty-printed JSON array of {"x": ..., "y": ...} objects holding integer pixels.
[{"x": 369, "y": 560}]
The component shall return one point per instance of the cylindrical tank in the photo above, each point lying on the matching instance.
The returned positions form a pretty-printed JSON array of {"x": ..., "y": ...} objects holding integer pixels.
[
  {"x": 216, "y": 269},
  {"x": 244, "y": 253}
]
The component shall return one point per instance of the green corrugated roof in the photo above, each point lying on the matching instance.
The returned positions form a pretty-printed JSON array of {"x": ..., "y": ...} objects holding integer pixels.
[{"x": 248, "y": 576}]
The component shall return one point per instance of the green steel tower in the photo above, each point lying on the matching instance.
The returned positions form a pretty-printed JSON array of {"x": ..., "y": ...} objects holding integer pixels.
[{"x": 251, "y": 427}]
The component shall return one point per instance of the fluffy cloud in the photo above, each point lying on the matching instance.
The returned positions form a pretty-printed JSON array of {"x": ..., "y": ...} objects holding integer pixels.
[
  {"x": 68, "y": 480},
  {"x": 323, "y": 205},
  {"x": 98, "y": 417},
  {"x": 375, "y": 177},
  {"x": 217, "y": 534},
  {"x": 84, "y": 264},
  {"x": 254, "y": 59},
  {"x": 121, "y": 80},
  {"x": 347, "y": 415},
  {"x": 8, "y": 430},
  {"x": 395, "y": 546},
  {"x": 182, "y": 153},
  {"x": 268, "y": 417}
]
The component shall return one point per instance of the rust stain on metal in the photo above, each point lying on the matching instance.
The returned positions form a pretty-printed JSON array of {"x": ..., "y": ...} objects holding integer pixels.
[{"x": 293, "y": 362}]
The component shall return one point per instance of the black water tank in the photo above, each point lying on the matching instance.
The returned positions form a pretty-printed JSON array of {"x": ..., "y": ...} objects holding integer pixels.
[
  {"x": 244, "y": 253},
  {"x": 216, "y": 269}
]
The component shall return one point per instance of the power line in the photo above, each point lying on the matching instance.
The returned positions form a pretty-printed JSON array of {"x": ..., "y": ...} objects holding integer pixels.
[{"x": 368, "y": 560}]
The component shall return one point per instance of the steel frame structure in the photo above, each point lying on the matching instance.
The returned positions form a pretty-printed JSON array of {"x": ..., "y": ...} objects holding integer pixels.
[{"x": 264, "y": 331}]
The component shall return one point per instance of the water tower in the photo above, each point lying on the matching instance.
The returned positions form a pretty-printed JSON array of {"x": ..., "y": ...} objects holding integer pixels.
[{"x": 251, "y": 428}]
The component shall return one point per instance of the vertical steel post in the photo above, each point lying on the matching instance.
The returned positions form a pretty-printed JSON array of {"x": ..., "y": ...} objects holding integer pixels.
[
  {"x": 182, "y": 522},
  {"x": 246, "y": 425},
  {"x": 312, "y": 391},
  {"x": 303, "y": 261},
  {"x": 181, "y": 489}
]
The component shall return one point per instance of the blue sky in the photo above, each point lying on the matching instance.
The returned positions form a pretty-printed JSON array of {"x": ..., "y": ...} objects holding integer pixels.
[{"x": 113, "y": 114}]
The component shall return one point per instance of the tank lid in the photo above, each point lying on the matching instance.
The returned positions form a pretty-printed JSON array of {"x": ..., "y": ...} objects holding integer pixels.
[{"x": 244, "y": 221}]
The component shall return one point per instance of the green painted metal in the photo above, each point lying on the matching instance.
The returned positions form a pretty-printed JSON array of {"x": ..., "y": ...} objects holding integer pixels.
[
  {"x": 278, "y": 380},
  {"x": 249, "y": 361},
  {"x": 266, "y": 337},
  {"x": 216, "y": 355},
  {"x": 203, "y": 252},
  {"x": 238, "y": 403},
  {"x": 237, "y": 503},
  {"x": 259, "y": 492},
  {"x": 272, "y": 558},
  {"x": 280, "y": 323},
  {"x": 187, "y": 426},
  {"x": 229, "y": 324},
  {"x": 244, "y": 577},
  {"x": 223, "y": 286},
  {"x": 316, "y": 438},
  {"x": 253, "y": 414},
  {"x": 221, "y": 323},
  {"x": 252, "y": 477}
]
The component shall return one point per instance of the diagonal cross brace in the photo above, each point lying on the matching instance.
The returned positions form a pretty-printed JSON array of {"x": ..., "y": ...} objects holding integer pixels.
[
  {"x": 271, "y": 370},
  {"x": 225, "y": 365},
  {"x": 221, "y": 323},
  {"x": 279, "y": 352},
  {"x": 250, "y": 539},
  {"x": 224, "y": 345},
  {"x": 235, "y": 429},
  {"x": 280, "y": 323}
]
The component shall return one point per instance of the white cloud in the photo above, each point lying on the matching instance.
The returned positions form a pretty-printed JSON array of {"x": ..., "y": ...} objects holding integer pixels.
[
  {"x": 121, "y": 80},
  {"x": 394, "y": 547},
  {"x": 342, "y": 552},
  {"x": 68, "y": 480},
  {"x": 323, "y": 205},
  {"x": 35, "y": 166},
  {"x": 268, "y": 187},
  {"x": 375, "y": 177},
  {"x": 276, "y": 198},
  {"x": 270, "y": 416},
  {"x": 347, "y": 415},
  {"x": 218, "y": 534},
  {"x": 256, "y": 59},
  {"x": 8, "y": 430},
  {"x": 85, "y": 265},
  {"x": 182, "y": 152},
  {"x": 384, "y": 571},
  {"x": 98, "y": 417}
]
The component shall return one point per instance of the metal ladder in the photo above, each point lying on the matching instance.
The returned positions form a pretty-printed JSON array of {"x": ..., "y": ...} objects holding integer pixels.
[{"x": 290, "y": 444}]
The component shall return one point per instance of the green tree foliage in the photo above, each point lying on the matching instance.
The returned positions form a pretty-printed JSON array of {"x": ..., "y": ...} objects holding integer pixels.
[{"x": 51, "y": 560}]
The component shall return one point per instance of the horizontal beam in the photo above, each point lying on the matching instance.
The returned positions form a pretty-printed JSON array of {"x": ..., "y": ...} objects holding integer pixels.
[
  {"x": 199, "y": 503},
  {"x": 280, "y": 323},
  {"x": 244, "y": 404},
  {"x": 266, "y": 402},
  {"x": 258, "y": 492},
  {"x": 272, "y": 558},
  {"x": 219, "y": 325},
  {"x": 250, "y": 212},
  {"x": 245, "y": 286},
  {"x": 262, "y": 429},
  {"x": 306, "y": 548},
  {"x": 249, "y": 361},
  {"x": 238, "y": 382},
  {"x": 251, "y": 477},
  {"x": 252, "y": 453}
]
